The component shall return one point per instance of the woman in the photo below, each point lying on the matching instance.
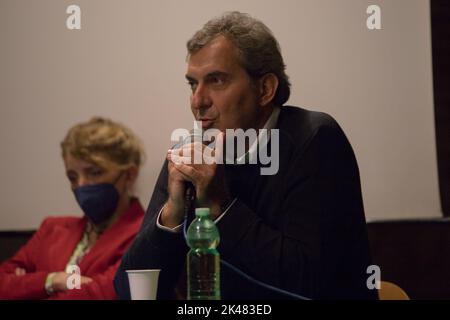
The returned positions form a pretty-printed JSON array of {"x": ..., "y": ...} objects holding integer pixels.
[{"x": 76, "y": 258}]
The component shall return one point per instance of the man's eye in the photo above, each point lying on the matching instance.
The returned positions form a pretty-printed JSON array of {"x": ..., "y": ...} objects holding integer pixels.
[
  {"x": 218, "y": 81},
  {"x": 192, "y": 85}
]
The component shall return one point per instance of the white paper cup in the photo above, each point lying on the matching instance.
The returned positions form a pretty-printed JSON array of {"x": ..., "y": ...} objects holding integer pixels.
[{"x": 143, "y": 283}]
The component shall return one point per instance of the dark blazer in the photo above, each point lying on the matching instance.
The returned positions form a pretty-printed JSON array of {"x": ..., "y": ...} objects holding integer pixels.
[{"x": 302, "y": 229}]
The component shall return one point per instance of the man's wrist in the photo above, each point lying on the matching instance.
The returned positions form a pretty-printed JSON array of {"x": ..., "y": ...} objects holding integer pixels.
[{"x": 169, "y": 215}]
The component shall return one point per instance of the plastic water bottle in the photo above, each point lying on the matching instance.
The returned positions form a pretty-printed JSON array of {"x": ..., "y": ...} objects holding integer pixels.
[{"x": 203, "y": 260}]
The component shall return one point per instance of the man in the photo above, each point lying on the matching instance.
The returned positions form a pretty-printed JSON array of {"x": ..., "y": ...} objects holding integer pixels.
[{"x": 301, "y": 229}]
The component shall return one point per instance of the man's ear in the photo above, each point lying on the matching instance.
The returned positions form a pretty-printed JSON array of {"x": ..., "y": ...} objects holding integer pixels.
[{"x": 268, "y": 85}]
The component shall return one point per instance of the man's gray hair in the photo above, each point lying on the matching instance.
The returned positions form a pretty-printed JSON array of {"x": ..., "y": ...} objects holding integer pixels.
[{"x": 259, "y": 50}]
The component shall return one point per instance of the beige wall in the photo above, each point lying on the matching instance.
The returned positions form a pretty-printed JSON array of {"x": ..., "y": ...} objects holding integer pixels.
[{"x": 128, "y": 63}]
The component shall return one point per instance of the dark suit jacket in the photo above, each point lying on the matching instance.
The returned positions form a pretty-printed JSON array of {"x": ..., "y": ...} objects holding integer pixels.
[{"x": 302, "y": 229}]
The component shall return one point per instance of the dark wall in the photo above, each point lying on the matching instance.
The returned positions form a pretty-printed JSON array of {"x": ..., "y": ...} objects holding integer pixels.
[
  {"x": 414, "y": 254},
  {"x": 440, "y": 27},
  {"x": 11, "y": 241}
]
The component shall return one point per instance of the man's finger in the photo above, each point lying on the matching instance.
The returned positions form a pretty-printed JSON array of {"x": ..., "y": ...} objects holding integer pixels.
[
  {"x": 218, "y": 151},
  {"x": 179, "y": 159},
  {"x": 188, "y": 172}
]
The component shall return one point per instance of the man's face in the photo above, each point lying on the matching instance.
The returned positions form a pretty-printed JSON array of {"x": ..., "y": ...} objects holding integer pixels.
[{"x": 223, "y": 96}]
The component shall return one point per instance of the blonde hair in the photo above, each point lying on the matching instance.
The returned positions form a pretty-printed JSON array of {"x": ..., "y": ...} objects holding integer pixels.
[{"x": 103, "y": 142}]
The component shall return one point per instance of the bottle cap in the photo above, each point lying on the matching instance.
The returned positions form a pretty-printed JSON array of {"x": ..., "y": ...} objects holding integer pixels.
[{"x": 202, "y": 212}]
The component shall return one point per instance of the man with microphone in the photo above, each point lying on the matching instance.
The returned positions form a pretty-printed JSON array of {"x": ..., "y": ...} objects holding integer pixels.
[{"x": 301, "y": 229}]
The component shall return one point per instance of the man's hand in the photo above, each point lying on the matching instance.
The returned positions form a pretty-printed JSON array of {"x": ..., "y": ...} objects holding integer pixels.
[
  {"x": 208, "y": 178},
  {"x": 173, "y": 212},
  {"x": 59, "y": 281}
]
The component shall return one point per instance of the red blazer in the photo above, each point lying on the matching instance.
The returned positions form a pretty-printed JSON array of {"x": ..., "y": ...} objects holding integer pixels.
[{"x": 51, "y": 247}]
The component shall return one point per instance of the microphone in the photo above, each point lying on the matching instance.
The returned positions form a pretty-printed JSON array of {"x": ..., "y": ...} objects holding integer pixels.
[
  {"x": 189, "y": 201},
  {"x": 189, "y": 198}
]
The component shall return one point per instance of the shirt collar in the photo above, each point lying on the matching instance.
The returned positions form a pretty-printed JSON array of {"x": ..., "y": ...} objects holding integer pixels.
[{"x": 252, "y": 152}]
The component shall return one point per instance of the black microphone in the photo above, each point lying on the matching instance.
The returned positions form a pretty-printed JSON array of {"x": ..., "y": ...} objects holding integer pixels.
[
  {"x": 189, "y": 201},
  {"x": 190, "y": 195}
]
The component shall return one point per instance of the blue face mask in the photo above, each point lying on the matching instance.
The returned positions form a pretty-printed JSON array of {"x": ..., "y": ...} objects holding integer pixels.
[{"x": 99, "y": 202}]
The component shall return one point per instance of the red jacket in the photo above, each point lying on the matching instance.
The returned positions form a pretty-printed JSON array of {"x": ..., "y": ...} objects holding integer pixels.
[{"x": 51, "y": 247}]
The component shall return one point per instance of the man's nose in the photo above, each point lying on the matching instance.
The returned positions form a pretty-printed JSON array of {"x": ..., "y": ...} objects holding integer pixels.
[{"x": 200, "y": 98}]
